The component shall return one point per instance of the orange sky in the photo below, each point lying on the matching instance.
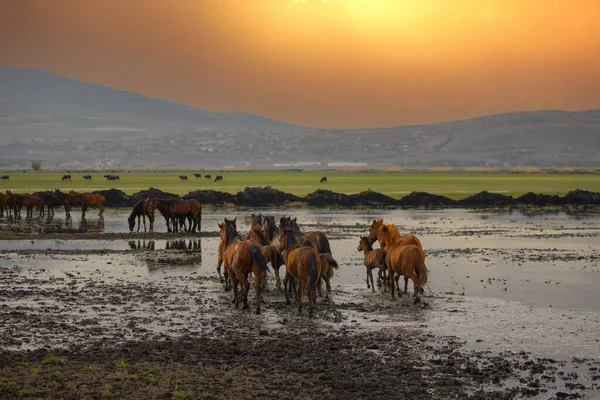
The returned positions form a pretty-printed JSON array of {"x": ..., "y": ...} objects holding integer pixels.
[{"x": 333, "y": 63}]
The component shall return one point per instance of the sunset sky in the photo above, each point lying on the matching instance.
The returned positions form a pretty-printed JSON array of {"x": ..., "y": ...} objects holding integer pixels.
[{"x": 334, "y": 63}]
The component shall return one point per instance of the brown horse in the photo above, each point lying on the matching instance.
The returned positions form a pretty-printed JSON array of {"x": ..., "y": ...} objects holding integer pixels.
[
  {"x": 92, "y": 200},
  {"x": 30, "y": 201},
  {"x": 241, "y": 257},
  {"x": 319, "y": 239},
  {"x": 141, "y": 209},
  {"x": 3, "y": 203},
  {"x": 394, "y": 235},
  {"x": 221, "y": 252},
  {"x": 270, "y": 252},
  {"x": 328, "y": 264},
  {"x": 67, "y": 200},
  {"x": 372, "y": 259},
  {"x": 173, "y": 210},
  {"x": 302, "y": 263},
  {"x": 406, "y": 260}
]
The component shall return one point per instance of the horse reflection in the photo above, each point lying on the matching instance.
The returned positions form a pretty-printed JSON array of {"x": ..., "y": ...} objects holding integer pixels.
[
  {"x": 183, "y": 244},
  {"x": 91, "y": 227},
  {"x": 142, "y": 244}
]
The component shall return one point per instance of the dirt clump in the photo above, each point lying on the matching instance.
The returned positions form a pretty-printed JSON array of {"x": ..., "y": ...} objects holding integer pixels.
[
  {"x": 487, "y": 199},
  {"x": 325, "y": 198},
  {"x": 423, "y": 199},
  {"x": 267, "y": 196}
]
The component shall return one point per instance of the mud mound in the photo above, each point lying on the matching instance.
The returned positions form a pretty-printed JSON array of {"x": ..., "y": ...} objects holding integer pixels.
[
  {"x": 134, "y": 198},
  {"x": 539, "y": 199},
  {"x": 423, "y": 199},
  {"x": 211, "y": 197},
  {"x": 581, "y": 197},
  {"x": 257, "y": 196},
  {"x": 114, "y": 197},
  {"x": 371, "y": 198},
  {"x": 487, "y": 199},
  {"x": 323, "y": 198}
]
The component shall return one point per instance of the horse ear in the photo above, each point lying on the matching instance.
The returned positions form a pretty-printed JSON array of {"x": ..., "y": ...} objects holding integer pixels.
[
  {"x": 220, "y": 225},
  {"x": 295, "y": 219}
]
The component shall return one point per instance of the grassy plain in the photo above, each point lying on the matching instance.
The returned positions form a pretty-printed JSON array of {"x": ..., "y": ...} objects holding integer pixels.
[{"x": 456, "y": 185}]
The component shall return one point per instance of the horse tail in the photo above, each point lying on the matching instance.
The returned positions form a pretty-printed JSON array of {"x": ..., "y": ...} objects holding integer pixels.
[
  {"x": 332, "y": 261},
  {"x": 258, "y": 258},
  {"x": 420, "y": 270},
  {"x": 324, "y": 244},
  {"x": 313, "y": 272}
]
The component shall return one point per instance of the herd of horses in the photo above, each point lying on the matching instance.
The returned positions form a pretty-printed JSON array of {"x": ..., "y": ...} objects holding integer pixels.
[
  {"x": 12, "y": 203},
  {"x": 308, "y": 260}
]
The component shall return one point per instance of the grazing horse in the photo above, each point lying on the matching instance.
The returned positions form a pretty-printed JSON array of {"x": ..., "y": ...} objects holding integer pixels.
[
  {"x": 198, "y": 176},
  {"x": 219, "y": 178},
  {"x": 66, "y": 178},
  {"x": 302, "y": 263},
  {"x": 323, "y": 179},
  {"x": 141, "y": 209},
  {"x": 373, "y": 259},
  {"x": 5, "y": 177},
  {"x": 173, "y": 210},
  {"x": 183, "y": 178},
  {"x": 405, "y": 260},
  {"x": 87, "y": 177},
  {"x": 241, "y": 257},
  {"x": 320, "y": 239}
]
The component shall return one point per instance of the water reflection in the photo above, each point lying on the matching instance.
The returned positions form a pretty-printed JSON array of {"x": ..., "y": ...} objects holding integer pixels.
[{"x": 175, "y": 244}]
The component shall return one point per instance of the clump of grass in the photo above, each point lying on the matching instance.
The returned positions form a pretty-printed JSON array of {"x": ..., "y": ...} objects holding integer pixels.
[
  {"x": 178, "y": 395},
  {"x": 121, "y": 363},
  {"x": 24, "y": 392},
  {"x": 50, "y": 360}
]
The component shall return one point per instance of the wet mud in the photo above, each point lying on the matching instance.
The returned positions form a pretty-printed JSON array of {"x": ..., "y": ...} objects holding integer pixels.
[{"x": 511, "y": 311}]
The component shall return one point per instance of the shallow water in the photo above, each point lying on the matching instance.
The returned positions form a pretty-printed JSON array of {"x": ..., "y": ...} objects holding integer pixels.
[{"x": 497, "y": 281}]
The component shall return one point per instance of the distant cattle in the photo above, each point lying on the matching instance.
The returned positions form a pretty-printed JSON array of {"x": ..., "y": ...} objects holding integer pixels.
[
  {"x": 5, "y": 177},
  {"x": 198, "y": 176},
  {"x": 183, "y": 178},
  {"x": 112, "y": 177},
  {"x": 323, "y": 179},
  {"x": 207, "y": 177},
  {"x": 219, "y": 178},
  {"x": 66, "y": 178},
  {"x": 87, "y": 177}
]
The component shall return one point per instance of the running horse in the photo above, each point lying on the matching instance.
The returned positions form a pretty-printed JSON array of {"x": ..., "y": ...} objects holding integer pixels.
[
  {"x": 405, "y": 260},
  {"x": 302, "y": 263},
  {"x": 240, "y": 257},
  {"x": 142, "y": 209}
]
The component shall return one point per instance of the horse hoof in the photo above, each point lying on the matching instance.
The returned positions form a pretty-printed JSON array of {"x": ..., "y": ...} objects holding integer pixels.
[
  {"x": 288, "y": 302},
  {"x": 257, "y": 311},
  {"x": 417, "y": 300},
  {"x": 245, "y": 307}
]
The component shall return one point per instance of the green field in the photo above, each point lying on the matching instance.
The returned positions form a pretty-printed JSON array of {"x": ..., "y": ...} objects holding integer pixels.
[{"x": 395, "y": 184}]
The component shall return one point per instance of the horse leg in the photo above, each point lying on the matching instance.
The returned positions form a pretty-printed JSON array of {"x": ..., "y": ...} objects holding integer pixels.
[
  {"x": 245, "y": 289},
  {"x": 167, "y": 222},
  {"x": 371, "y": 277},
  {"x": 234, "y": 285},
  {"x": 287, "y": 288},
  {"x": 327, "y": 287},
  {"x": 259, "y": 278},
  {"x": 101, "y": 206},
  {"x": 405, "y": 284},
  {"x": 391, "y": 278},
  {"x": 398, "y": 285},
  {"x": 276, "y": 268},
  {"x": 144, "y": 219},
  {"x": 300, "y": 287}
]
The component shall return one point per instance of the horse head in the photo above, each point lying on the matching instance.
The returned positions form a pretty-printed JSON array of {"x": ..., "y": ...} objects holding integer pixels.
[
  {"x": 373, "y": 230},
  {"x": 363, "y": 244}
]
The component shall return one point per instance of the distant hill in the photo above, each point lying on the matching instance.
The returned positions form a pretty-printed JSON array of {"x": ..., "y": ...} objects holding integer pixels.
[{"x": 67, "y": 123}]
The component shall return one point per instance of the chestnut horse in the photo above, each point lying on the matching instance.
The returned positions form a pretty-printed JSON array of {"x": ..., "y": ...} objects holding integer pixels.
[
  {"x": 91, "y": 200},
  {"x": 173, "y": 210},
  {"x": 328, "y": 264},
  {"x": 373, "y": 258},
  {"x": 30, "y": 201},
  {"x": 303, "y": 264},
  {"x": 406, "y": 260},
  {"x": 375, "y": 234},
  {"x": 67, "y": 200},
  {"x": 141, "y": 209},
  {"x": 241, "y": 257},
  {"x": 270, "y": 252}
]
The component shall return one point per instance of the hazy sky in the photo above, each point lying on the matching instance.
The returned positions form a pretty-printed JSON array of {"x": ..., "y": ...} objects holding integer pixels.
[{"x": 321, "y": 63}]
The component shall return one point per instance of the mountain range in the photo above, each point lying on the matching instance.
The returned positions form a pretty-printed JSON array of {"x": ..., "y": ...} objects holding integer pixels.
[{"x": 65, "y": 123}]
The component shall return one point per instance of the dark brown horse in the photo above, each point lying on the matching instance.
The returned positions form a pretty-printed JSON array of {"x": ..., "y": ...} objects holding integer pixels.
[
  {"x": 141, "y": 209},
  {"x": 270, "y": 252},
  {"x": 68, "y": 200},
  {"x": 30, "y": 201},
  {"x": 175, "y": 209},
  {"x": 303, "y": 264},
  {"x": 318, "y": 238},
  {"x": 240, "y": 257},
  {"x": 372, "y": 259},
  {"x": 405, "y": 260}
]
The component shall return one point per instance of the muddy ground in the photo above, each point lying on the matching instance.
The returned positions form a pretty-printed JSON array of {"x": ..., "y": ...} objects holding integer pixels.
[{"x": 108, "y": 314}]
